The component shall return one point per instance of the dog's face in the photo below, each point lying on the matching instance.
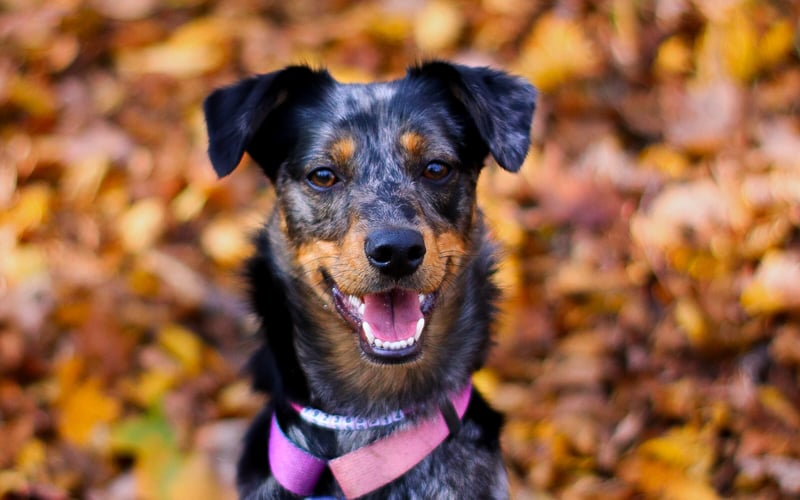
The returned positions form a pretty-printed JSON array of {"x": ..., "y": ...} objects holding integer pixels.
[
  {"x": 375, "y": 226},
  {"x": 377, "y": 205}
]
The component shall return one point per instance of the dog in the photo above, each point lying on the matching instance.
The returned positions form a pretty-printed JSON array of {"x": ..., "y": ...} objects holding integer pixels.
[{"x": 372, "y": 278}]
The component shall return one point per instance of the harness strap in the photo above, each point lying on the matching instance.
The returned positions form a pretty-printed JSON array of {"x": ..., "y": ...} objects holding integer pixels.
[
  {"x": 295, "y": 469},
  {"x": 451, "y": 417},
  {"x": 367, "y": 468}
]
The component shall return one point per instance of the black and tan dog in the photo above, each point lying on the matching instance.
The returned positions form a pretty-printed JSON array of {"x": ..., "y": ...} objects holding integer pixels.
[{"x": 372, "y": 277}]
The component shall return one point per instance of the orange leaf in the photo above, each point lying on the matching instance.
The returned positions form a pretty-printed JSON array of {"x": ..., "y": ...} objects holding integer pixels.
[{"x": 85, "y": 411}]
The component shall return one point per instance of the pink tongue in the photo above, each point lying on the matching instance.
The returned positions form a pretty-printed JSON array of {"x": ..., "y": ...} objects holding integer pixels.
[{"x": 392, "y": 315}]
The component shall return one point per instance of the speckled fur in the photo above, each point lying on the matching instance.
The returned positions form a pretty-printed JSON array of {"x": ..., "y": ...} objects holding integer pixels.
[{"x": 376, "y": 138}]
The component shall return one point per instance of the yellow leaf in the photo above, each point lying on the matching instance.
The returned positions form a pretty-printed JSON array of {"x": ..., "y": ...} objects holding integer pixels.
[
  {"x": 31, "y": 209},
  {"x": 776, "y": 43},
  {"x": 690, "y": 319},
  {"x": 238, "y": 399},
  {"x": 32, "y": 96},
  {"x": 156, "y": 466},
  {"x": 775, "y": 285},
  {"x": 390, "y": 26},
  {"x": 350, "y": 74},
  {"x": 759, "y": 298},
  {"x": 224, "y": 240},
  {"x": 23, "y": 263},
  {"x": 196, "y": 480},
  {"x": 674, "y": 57},
  {"x": 740, "y": 46},
  {"x": 705, "y": 266},
  {"x": 665, "y": 159},
  {"x": 143, "y": 282},
  {"x": 196, "y": 47},
  {"x": 709, "y": 60},
  {"x": 767, "y": 235},
  {"x": 438, "y": 26},
  {"x": 188, "y": 204},
  {"x": 486, "y": 381},
  {"x": 12, "y": 481},
  {"x": 551, "y": 440},
  {"x": 154, "y": 443},
  {"x": 557, "y": 51},
  {"x": 503, "y": 219},
  {"x": 82, "y": 180},
  {"x": 85, "y": 413},
  {"x": 509, "y": 275},
  {"x": 141, "y": 225},
  {"x": 624, "y": 43},
  {"x": 686, "y": 448},
  {"x": 776, "y": 403},
  {"x": 183, "y": 345},
  {"x": 67, "y": 375},
  {"x": 31, "y": 458},
  {"x": 659, "y": 480},
  {"x": 151, "y": 386},
  {"x": 520, "y": 431},
  {"x": 675, "y": 466}
]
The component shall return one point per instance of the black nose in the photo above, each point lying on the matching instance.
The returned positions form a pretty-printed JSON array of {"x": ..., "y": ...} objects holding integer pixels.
[{"x": 396, "y": 252}]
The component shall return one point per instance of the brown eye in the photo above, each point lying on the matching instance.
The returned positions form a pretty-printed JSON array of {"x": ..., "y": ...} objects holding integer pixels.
[
  {"x": 322, "y": 178},
  {"x": 435, "y": 171}
]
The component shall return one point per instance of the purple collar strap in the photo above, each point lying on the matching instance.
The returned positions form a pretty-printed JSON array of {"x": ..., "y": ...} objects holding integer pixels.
[{"x": 365, "y": 469}]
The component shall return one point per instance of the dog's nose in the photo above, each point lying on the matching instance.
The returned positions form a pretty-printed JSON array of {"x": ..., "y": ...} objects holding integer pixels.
[{"x": 395, "y": 252}]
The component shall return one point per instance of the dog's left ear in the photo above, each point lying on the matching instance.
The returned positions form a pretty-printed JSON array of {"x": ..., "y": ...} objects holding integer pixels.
[{"x": 500, "y": 105}]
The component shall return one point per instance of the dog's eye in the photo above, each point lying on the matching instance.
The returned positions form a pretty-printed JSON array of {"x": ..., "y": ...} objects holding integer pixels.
[
  {"x": 435, "y": 171},
  {"x": 322, "y": 178}
]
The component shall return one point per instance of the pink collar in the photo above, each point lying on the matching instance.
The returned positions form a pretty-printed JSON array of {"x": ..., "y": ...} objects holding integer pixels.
[{"x": 370, "y": 467}]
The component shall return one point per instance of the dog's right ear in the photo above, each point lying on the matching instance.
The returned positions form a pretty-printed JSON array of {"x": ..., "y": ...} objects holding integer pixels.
[{"x": 251, "y": 116}]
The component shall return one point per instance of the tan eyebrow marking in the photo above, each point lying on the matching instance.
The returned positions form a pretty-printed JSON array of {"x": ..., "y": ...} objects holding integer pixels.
[
  {"x": 413, "y": 142},
  {"x": 342, "y": 150}
]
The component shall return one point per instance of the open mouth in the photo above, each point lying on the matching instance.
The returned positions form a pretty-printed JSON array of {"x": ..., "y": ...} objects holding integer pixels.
[{"x": 390, "y": 324}]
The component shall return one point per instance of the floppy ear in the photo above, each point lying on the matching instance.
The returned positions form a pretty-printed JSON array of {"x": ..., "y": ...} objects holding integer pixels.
[
  {"x": 247, "y": 116},
  {"x": 500, "y": 105}
]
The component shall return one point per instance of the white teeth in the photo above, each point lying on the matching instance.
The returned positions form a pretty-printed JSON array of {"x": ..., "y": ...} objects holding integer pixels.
[
  {"x": 391, "y": 346},
  {"x": 354, "y": 301},
  {"x": 394, "y": 346},
  {"x": 421, "y": 298},
  {"x": 368, "y": 332},
  {"x": 356, "y": 304}
]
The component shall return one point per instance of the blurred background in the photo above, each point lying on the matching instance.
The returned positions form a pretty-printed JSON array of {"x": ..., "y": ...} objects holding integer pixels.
[{"x": 649, "y": 345}]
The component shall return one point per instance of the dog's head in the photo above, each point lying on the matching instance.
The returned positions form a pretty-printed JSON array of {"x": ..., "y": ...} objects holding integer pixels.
[{"x": 375, "y": 230}]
